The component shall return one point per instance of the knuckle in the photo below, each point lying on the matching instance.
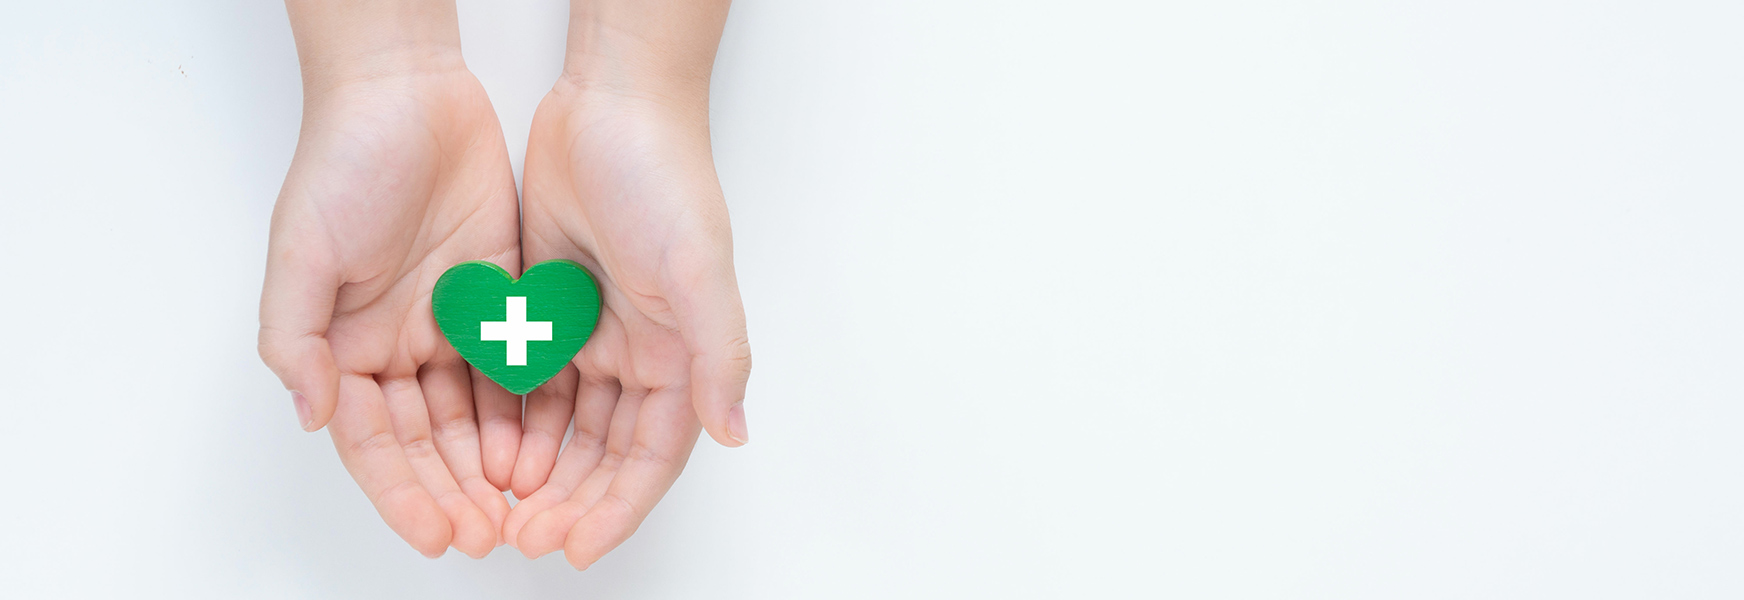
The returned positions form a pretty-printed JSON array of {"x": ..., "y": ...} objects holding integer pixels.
[
  {"x": 584, "y": 437},
  {"x": 375, "y": 442},
  {"x": 735, "y": 365},
  {"x": 420, "y": 448},
  {"x": 271, "y": 345},
  {"x": 501, "y": 422},
  {"x": 624, "y": 507},
  {"x": 458, "y": 422},
  {"x": 596, "y": 359},
  {"x": 613, "y": 458},
  {"x": 641, "y": 452},
  {"x": 738, "y": 352},
  {"x": 533, "y": 436},
  {"x": 398, "y": 489}
]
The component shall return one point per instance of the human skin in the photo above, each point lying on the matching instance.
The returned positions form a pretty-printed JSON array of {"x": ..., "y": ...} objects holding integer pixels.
[
  {"x": 620, "y": 177},
  {"x": 400, "y": 172}
]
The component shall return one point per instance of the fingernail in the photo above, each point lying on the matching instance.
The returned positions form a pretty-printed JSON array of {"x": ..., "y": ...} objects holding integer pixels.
[
  {"x": 736, "y": 424},
  {"x": 304, "y": 413}
]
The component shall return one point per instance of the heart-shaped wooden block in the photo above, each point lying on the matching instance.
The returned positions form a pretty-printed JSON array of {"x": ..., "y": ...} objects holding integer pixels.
[{"x": 518, "y": 332}]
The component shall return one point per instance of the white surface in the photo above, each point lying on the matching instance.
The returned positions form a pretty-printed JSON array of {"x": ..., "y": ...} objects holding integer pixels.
[{"x": 1119, "y": 299}]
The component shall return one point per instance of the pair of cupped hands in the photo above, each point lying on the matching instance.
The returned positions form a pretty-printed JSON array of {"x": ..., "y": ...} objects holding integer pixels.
[{"x": 401, "y": 172}]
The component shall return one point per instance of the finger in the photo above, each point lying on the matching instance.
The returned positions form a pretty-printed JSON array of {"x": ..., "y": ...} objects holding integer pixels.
[
  {"x": 447, "y": 389},
  {"x": 596, "y": 419},
  {"x": 365, "y": 440},
  {"x": 619, "y": 443},
  {"x": 666, "y": 430},
  {"x": 549, "y": 408},
  {"x": 712, "y": 319},
  {"x": 597, "y": 395},
  {"x": 296, "y": 305},
  {"x": 407, "y": 413},
  {"x": 499, "y": 422},
  {"x": 546, "y": 531}
]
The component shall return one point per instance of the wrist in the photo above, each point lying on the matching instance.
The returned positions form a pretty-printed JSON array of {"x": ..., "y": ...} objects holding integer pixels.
[
  {"x": 660, "y": 54},
  {"x": 345, "y": 43}
]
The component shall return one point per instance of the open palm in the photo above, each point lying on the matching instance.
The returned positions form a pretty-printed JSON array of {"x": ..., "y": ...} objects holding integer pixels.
[
  {"x": 394, "y": 180},
  {"x": 629, "y": 190}
]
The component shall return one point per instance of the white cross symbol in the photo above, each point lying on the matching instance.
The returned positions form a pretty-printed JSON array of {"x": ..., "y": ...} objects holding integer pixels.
[{"x": 517, "y": 331}]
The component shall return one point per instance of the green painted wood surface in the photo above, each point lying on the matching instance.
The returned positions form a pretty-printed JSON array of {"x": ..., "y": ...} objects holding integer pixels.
[{"x": 560, "y": 292}]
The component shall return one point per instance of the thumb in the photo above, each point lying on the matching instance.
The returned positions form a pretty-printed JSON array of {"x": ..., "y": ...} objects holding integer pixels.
[
  {"x": 296, "y": 305},
  {"x": 712, "y": 318}
]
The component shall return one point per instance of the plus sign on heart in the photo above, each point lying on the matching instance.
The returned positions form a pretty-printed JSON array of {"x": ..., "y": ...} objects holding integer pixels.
[{"x": 518, "y": 332}]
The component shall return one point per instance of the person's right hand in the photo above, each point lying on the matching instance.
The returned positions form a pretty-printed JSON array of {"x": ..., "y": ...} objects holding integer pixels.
[{"x": 399, "y": 173}]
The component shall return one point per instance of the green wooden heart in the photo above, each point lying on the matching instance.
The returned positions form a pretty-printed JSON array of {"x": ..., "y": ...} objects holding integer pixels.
[{"x": 518, "y": 332}]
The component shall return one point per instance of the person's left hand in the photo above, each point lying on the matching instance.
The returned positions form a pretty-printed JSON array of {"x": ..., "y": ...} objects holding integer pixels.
[{"x": 628, "y": 189}]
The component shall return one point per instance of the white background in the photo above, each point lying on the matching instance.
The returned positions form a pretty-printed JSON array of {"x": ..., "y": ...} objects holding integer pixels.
[{"x": 1097, "y": 299}]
